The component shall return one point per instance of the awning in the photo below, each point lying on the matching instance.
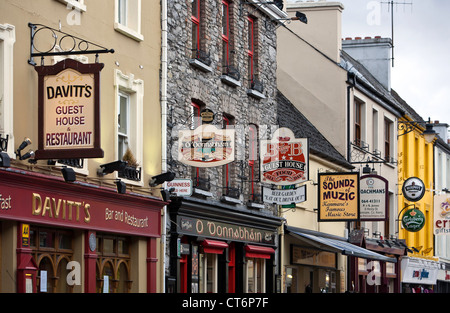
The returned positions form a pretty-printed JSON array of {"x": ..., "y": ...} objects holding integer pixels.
[
  {"x": 214, "y": 246},
  {"x": 252, "y": 251},
  {"x": 338, "y": 246}
]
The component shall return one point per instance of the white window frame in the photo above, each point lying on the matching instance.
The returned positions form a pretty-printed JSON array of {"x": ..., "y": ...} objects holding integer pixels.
[
  {"x": 134, "y": 88},
  {"x": 132, "y": 26},
  {"x": 204, "y": 258},
  {"x": 125, "y": 134},
  {"x": 255, "y": 272},
  {"x": 7, "y": 40}
]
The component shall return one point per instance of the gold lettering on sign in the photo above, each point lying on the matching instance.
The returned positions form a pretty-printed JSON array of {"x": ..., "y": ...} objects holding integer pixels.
[{"x": 59, "y": 208}]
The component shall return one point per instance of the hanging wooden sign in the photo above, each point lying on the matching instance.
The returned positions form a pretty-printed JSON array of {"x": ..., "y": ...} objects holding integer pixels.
[
  {"x": 69, "y": 110},
  {"x": 284, "y": 159}
]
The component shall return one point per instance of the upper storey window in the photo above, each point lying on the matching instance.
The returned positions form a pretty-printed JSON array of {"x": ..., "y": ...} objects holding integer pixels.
[{"x": 128, "y": 18}]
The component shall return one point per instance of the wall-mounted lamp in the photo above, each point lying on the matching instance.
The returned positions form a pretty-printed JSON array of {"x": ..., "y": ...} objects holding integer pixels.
[
  {"x": 299, "y": 16},
  {"x": 68, "y": 174},
  {"x": 121, "y": 186},
  {"x": 166, "y": 193},
  {"x": 408, "y": 126},
  {"x": 161, "y": 178},
  {"x": 30, "y": 154},
  {"x": 108, "y": 168},
  {"x": 4, "y": 159}
]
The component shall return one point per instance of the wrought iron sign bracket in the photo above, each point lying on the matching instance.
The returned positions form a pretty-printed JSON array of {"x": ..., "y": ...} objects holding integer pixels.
[{"x": 69, "y": 44}]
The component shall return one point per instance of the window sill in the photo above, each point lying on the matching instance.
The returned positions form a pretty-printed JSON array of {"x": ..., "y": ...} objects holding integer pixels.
[
  {"x": 75, "y": 5},
  {"x": 128, "y": 32},
  {"x": 202, "y": 193},
  {"x": 255, "y": 94},
  {"x": 230, "y": 81},
  {"x": 230, "y": 200},
  {"x": 255, "y": 205},
  {"x": 200, "y": 65}
]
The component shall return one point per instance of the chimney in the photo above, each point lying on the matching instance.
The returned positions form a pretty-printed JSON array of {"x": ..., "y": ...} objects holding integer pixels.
[{"x": 374, "y": 54}]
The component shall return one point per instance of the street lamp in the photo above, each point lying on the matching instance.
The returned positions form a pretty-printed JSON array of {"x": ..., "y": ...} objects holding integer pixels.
[{"x": 408, "y": 126}]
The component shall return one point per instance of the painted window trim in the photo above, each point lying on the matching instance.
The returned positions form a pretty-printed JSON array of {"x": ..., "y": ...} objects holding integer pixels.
[
  {"x": 135, "y": 89},
  {"x": 125, "y": 29},
  {"x": 8, "y": 37},
  {"x": 75, "y": 4}
]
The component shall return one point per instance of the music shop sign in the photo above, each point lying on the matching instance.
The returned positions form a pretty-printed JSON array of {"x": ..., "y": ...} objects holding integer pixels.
[{"x": 69, "y": 110}]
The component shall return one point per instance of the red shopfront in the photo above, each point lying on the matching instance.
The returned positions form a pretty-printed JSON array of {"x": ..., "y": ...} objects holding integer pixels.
[{"x": 75, "y": 237}]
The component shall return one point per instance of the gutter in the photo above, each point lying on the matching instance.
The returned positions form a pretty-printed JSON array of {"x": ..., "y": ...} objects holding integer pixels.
[{"x": 163, "y": 132}]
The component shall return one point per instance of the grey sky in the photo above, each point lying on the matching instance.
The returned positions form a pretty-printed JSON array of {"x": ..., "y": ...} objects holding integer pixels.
[{"x": 422, "y": 48}]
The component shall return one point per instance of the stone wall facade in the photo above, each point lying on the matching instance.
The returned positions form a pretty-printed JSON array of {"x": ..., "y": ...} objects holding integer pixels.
[{"x": 191, "y": 80}]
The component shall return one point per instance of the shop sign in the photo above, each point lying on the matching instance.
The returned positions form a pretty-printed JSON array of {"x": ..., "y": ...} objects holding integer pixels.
[
  {"x": 38, "y": 204},
  {"x": 224, "y": 231},
  {"x": 419, "y": 271},
  {"x": 69, "y": 110},
  {"x": 413, "y": 189},
  {"x": 413, "y": 220},
  {"x": 206, "y": 146},
  {"x": 284, "y": 159},
  {"x": 441, "y": 215},
  {"x": 179, "y": 187},
  {"x": 339, "y": 198},
  {"x": 284, "y": 196},
  {"x": 374, "y": 198}
]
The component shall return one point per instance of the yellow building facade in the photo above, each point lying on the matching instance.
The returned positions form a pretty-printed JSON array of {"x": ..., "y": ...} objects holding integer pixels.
[{"x": 415, "y": 159}]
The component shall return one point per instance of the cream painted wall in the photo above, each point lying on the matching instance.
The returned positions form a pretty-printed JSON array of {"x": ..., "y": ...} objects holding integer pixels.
[
  {"x": 311, "y": 79},
  {"x": 139, "y": 59}
]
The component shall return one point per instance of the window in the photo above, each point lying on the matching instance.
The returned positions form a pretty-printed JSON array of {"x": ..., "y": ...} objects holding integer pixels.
[
  {"x": 128, "y": 18},
  {"x": 228, "y": 169},
  {"x": 199, "y": 179},
  {"x": 52, "y": 249},
  {"x": 253, "y": 160},
  {"x": 375, "y": 130},
  {"x": 358, "y": 125},
  {"x": 388, "y": 139},
  {"x": 251, "y": 49},
  {"x": 129, "y": 125},
  {"x": 7, "y": 40},
  {"x": 123, "y": 122},
  {"x": 255, "y": 275},
  {"x": 113, "y": 264},
  {"x": 195, "y": 18},
  {"x": 225, "y": 33}
]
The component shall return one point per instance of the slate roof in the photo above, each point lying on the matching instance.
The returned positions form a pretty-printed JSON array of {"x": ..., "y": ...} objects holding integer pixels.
[
  {"x": 366, "y": 81},
  {"x": 289, "y": 116}
]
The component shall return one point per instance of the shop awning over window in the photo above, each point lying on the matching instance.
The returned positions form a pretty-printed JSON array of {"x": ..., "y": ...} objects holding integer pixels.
[
  {"x": 338, "y": 246},
  {"x": 214, "y": 246},
  {"x": 252, "y": 251}
]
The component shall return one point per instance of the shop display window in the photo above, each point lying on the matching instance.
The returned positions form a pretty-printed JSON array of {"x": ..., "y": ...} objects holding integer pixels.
[
  {"x": 113, "y": 264},
  {"x": 52, "y": 250},
  {"x": 255, "y": 275}
]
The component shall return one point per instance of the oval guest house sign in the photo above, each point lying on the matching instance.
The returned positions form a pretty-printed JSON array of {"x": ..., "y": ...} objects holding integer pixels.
[{"x": 69, "y": 110}]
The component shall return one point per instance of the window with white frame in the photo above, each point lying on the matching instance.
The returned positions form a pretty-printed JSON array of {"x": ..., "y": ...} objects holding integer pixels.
[
  {"x": 129, "y": 121},
  {"x": 128, "y": 18},
  {"x": 255, "y": 274},
  {"x": 7, "y": 40},
  {"x": 123, "y": 114}
]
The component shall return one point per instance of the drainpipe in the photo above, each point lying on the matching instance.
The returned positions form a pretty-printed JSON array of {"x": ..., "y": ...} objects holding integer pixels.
[
  {"x": 164, "y": 130},
  {"x": 351, "y": 80}
]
